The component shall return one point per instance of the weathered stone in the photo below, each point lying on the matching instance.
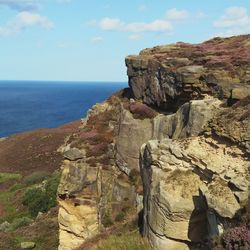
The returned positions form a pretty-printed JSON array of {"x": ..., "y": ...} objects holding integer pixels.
[
  {"x": 215, "y": 67},
  {"x": 190, "y": 120},
  {"x": 132, "y": 134},
  {"x": 221, "y": 199},
  {"x": 240, "y": 92},
  {"x": 183, "y": 179},
  {"x": 73, "y": 154},
  {"x": 77, "y": 222},
  {"x": 74, "y": 176},
  {"x": 28, "y": 245},
  {"x": 178, "y": 175},
  {"x": 233, "y": 123}
]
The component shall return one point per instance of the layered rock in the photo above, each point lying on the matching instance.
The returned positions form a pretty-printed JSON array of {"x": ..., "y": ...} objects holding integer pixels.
[
  {"x": 92, "y": 191},
  {"x": 167, "y": 76},
  {"x": 184, "y": 180},
  {"x": 184, "y": 123},
  {"x": 201, "y": 182}
]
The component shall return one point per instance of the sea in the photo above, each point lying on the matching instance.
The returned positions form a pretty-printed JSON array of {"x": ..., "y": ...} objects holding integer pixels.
[{"x": 28, "y": 105}]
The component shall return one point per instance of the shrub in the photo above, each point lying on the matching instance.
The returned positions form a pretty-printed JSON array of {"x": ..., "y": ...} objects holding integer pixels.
[
  {"x": 237, "y": 237},
  {"x": 107, "y": 220},
  {"x": 20, "y": 222},
  {"x": 36, "y": 201},
  {"x": 35, "y": 178},
  {"x": 120, "y": 216},
  {"x": 51, "y": 189},
  {"x": 41, "y": 200}
]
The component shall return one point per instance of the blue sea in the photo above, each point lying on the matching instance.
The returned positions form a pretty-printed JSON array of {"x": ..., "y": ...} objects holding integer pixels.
[{"x": 27, "y": 105}]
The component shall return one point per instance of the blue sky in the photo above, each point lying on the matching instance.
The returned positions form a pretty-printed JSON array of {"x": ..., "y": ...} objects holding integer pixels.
[{"x": 84, "y": 40}]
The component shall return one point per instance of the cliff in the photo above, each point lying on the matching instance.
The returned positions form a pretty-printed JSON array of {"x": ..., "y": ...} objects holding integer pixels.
[
  {"x": 167, "y": 159},
  {"x": 174, "y": 146}
]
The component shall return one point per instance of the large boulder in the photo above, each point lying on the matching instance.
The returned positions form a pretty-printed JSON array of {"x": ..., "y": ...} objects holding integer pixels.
[{"x": 184, "y": 180}]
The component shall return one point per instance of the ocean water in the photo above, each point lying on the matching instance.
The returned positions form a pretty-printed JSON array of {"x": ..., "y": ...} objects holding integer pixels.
[{"x": 29, "y": 105}]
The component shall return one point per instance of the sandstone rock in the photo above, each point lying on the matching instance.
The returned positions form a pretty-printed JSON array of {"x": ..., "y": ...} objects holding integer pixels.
[
  {"x": 73, "y": 154},
  {"x": 240, "y": 93},
  {"x": 191, "y": 119},
  {"x": 234, "y": 123},
  {"x": 178, "y": 175},
  {"x": 131, "y": 135},
  {"x": 168, "y": 76},
  {"x": 75, "y": 177},
  {"x": 178, "y": 91},
  {"x": 28, "y": 245},
  {"x": 77, "y": 222},
  {"x": 221, "y": 199}
]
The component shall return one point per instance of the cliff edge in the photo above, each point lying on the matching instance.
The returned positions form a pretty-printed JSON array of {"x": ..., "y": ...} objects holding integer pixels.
[{"x": 174, "y": 146}]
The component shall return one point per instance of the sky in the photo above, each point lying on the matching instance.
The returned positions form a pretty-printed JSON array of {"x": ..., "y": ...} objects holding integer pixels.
[{"x": 88, "y": 40}]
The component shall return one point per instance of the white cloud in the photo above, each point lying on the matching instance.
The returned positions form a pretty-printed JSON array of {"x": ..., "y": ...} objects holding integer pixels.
[
  {"x": 24, "y": 20},
  {"x": 110, "y": 23},
  {"x": 20, "y": 5},
  {"x": 135, "y": 37},
  {"x": 233, "y": 17},
  {"x": 115, "y": 24},
  {"x": 155, "y": 26},
  {"x": 176, "y": 15},
  {"x": 235, "y": 21},
  {"x": 97, "y": 39}
]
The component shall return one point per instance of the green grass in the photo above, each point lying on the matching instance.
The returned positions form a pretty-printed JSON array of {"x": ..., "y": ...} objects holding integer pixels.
[
  {"x": 35, "y": 177},
  {"x": 127, "y": 241},
  {"x": 6, "y": 199},
  {"x": 4, "y": 177}
]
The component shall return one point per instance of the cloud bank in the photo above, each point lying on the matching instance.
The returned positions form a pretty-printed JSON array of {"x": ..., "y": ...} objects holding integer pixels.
[
  {"x": 235, "y": 21},
  {"x": 24, "y": 20}
]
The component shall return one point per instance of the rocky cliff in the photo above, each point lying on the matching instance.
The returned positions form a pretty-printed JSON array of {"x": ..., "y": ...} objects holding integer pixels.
[{"x": 175, "y": 145}]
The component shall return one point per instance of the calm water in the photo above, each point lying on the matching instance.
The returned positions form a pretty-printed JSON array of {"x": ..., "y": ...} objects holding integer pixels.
[{"x": 29, "y": 105}]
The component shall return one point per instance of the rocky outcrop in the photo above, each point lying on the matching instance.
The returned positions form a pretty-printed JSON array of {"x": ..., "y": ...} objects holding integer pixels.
[
  {"x": 131, "y": 135},
  {"x": 195, "y": 187},
  {"x": 168, "y": 76},
  {"x": 184, "y": 124},
  {"x": 186, "y": 179},
  {"x": 92, "y": 192}
]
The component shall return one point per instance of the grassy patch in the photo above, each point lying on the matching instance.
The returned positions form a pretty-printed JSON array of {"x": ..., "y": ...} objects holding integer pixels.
[
  {"x": 10, "y": 211},
  {"x": 35, "y": 177},
  {"x": 20, "y": 222},
  {"x": 4, "y": 177},
  {"x": 42, "y": 199},
  {"x": 127, "y": 241}
]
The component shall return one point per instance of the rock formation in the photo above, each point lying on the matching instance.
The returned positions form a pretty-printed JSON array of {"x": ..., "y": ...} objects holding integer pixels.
[{"x": 183, "y": 126}]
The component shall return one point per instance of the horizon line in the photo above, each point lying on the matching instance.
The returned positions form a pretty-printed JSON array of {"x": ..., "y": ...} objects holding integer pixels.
[{"x": 75, "y": 81}]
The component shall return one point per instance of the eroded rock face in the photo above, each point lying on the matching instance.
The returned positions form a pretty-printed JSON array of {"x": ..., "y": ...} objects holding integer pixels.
[
  {"x": 92, "y": 190},
  {"x": 132, "y": 134},
  {"x": 187, "y": 132},
  {"x": 185, "y": 179},
  {"x": 233, "y": 123},
  {"x": 191, "y": 119},
  {"x": 168, "y": 76}
]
